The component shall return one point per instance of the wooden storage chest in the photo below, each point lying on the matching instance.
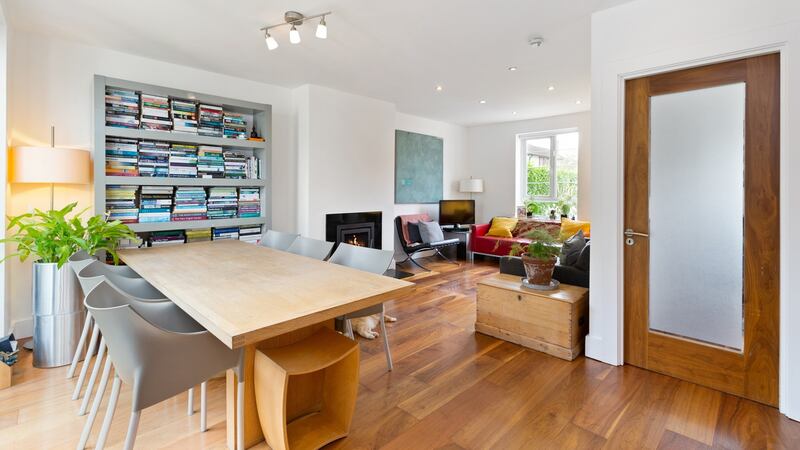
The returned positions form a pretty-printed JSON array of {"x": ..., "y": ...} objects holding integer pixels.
[{"x": 553, "y": 322}]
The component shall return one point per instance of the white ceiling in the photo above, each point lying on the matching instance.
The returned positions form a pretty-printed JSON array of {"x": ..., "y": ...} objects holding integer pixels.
[{"x": 396, "y": 51}]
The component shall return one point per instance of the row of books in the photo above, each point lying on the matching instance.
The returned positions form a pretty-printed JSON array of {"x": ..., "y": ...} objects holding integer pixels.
[
  {"x": 133, "y": 157},
  {"x": 132, "y": 109},
  {"x": 250, "y": 234},
  {"x": 159, "y": 204},
  {"x": 122, "y": 108}
]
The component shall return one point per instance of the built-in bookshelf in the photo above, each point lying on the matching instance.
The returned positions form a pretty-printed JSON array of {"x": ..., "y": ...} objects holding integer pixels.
[{"x": 253, "y": 115}]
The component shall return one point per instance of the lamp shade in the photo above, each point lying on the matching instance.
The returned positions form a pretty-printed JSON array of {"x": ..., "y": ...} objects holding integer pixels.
[
  {"x": 471, "y": 185},
  {"x": 49, "y": 165}
]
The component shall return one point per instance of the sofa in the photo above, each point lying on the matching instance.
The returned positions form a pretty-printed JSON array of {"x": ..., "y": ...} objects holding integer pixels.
[{"x": 482, "y": 244}]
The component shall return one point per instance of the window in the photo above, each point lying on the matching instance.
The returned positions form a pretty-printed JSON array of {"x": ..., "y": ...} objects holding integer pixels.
[{"x": 549, "y": 170}]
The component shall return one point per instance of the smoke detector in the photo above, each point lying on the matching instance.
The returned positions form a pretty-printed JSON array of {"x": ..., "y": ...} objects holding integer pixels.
[{"x": 536, "y": 41}]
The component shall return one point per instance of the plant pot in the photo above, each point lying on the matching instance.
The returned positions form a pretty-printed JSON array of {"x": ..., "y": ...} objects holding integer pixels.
[
  {"x": 57, "y": 315},
  {"x": 539, "y": 271}
]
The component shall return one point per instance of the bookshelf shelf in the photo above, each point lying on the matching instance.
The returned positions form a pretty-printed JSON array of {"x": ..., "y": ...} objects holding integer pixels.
[
  {"x": 174, "y": 181},
  {"x": 253, "y": 115},
  {"x": 185, "y": 138},
  {"x": 194, "y": 224}
]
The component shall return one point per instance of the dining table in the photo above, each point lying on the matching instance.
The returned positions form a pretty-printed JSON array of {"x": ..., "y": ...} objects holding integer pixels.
[{"x": 253, "y": 297}]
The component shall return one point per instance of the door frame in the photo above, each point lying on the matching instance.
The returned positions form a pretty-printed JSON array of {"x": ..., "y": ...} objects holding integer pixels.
[{"x": 606, "y": 339}]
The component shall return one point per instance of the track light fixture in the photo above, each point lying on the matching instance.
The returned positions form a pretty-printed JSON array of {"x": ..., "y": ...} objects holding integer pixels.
[
  {"x": 272, "y": 44},
  {"x": 295, "y": 19}
]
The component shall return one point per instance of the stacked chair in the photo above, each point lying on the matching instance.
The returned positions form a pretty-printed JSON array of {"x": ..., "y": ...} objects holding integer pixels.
[
  {"x": 152, "y": 345},
  {"x": 278, "y": 240}
]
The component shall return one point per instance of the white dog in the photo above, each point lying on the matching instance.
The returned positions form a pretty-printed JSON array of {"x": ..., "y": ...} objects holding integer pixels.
[{"x": 363, "y": 326}]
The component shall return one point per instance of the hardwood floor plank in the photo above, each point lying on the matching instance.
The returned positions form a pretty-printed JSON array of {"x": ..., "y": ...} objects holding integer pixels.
[
  {"x": 603, "y": 409},
  {"x": 676, "y": 441},
  {"x": 694, "y": 412}
]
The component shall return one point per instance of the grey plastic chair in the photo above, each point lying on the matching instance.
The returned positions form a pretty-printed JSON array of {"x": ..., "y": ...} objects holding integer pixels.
[
  {"x": 89, "y": 277},
  {"x": 312, "y": 248},
  {"x": 369, "y": 260},
  {"x": 77, "y": 262},
  {"x": 278, "y": 239},
  {"x": 158, "y": 359}
]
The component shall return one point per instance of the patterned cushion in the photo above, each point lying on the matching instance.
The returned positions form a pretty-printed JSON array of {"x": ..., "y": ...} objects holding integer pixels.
[{"x": 525, "y": 226}]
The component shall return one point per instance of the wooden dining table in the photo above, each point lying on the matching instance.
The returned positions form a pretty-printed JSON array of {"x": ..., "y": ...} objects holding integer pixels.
[{"x": 254, "y": 297}]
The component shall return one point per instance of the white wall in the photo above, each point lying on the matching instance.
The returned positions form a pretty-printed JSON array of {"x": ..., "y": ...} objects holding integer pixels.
[
  {"x": 650, "y": 36},
  {"x": 5, "y": 306},
  {"x": 51, "y": 84},
  {"x": 345, "y": 159},
  {"x": 492, "y": 152}
]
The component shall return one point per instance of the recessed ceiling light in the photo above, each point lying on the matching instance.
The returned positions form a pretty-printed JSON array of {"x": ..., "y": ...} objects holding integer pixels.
[
  {"x": 439, "y": 87},
  {"x": 578, "y": 102},
  {"x": 482, "y": 102},
  {"x": 512, "y": 68},
  {"x": 551, "y": 88},
  {"x": 513, "y": 113}
]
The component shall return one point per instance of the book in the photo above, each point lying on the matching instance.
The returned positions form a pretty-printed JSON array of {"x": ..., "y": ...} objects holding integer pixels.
[
  {"x": 235, "y": 165},
  {"x": 122, "y": 157},
  {"x": 155, "y": 204},
  {"x": 249, "y": 202},
  {"x": 210, "y": 120},
  {"x": 183, "y": 161},
  {"x": 222, "y": 203},
  {"x": 121, "y": 203},
  {"x": 234, "y": 125},
  {"x": 210, "y": 162},
  {"x": 250, "y": 234},
  {"x": 226, "y": 233},
  {"x": 189, "y": 204},
  {"x": 161, "y": 238},
  {"x": 155, "y": 113},
  {"x": 153, "y": 159},
  {"x": 122, "y": 108},
  {"x": 184, "y": 116},
  {"x": 198, "y": 235}
]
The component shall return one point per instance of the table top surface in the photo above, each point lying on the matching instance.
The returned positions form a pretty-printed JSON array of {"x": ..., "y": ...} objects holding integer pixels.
[
  {"x": 245, "y": 293},
  {"x": 565, "y": 292}
]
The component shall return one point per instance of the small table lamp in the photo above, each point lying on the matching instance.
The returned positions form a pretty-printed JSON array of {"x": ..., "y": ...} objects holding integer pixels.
[
  {"x": 471, "y": 185},
  {"x": 49, "y": 165}
]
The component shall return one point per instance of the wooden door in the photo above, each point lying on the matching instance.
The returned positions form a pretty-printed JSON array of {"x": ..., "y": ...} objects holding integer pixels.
[{"x": 748, "y": 367}]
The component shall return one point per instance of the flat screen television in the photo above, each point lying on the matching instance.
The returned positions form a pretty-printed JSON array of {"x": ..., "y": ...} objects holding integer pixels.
[{"x": 456, "y": 212}]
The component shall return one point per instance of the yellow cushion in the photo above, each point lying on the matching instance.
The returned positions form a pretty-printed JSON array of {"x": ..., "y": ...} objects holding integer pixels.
[
  {"x": 570, "y": 227},
  {"x": 502, "y": 226}
]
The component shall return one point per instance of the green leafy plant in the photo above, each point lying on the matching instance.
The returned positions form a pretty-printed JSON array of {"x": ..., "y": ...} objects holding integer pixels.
[
  {"x": 52, "y": 237},
  {"x": 543, "y": 246},
  {"x": 535, "y": 208}
]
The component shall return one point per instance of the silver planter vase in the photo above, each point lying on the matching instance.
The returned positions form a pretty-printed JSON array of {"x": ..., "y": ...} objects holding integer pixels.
[{"x": 57, "y": 315}]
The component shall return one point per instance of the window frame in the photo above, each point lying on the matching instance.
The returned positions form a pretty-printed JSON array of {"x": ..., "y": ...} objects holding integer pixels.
[{"x": 522, "y": 140}]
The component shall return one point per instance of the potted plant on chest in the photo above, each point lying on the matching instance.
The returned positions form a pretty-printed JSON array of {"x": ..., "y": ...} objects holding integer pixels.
[
  {"x": 51, "y": 238},
  {"x": 539, "y": 257}
]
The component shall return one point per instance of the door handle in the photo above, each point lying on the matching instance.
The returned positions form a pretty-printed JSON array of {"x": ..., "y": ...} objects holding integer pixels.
[{"x": 631, "y": 233}]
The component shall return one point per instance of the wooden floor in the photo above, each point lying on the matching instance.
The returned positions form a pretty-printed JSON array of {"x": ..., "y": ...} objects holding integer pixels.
[{"x": 451, "y": 388}]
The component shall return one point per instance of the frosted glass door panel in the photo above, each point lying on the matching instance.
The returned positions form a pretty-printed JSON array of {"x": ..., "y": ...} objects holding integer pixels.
[{"x": 697, "y": 214}]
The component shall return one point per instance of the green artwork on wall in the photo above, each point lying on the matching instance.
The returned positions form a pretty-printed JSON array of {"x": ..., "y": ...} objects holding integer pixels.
[{"x": 418, "y": 165}]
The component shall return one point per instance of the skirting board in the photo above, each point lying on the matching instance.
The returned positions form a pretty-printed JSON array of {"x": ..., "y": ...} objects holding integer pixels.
[
  {"x": 595, "y": 348},
  {"x": 22, "y": 328}
]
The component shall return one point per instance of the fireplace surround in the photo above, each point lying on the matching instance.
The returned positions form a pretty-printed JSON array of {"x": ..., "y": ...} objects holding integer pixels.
[{"x": 357, "y": 228}]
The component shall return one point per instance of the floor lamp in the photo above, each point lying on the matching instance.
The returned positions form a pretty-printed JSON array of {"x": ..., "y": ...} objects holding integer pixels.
[
  {"x": 471, "y": 185},
  {"x": 48, "y": 165}
]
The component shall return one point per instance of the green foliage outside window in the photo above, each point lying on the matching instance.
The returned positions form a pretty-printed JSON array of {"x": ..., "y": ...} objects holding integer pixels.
[{"x": 566, "y": 189}]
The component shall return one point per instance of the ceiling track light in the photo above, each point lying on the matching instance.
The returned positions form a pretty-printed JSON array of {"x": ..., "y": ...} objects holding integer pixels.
[{"x": 295, "y": 19}]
